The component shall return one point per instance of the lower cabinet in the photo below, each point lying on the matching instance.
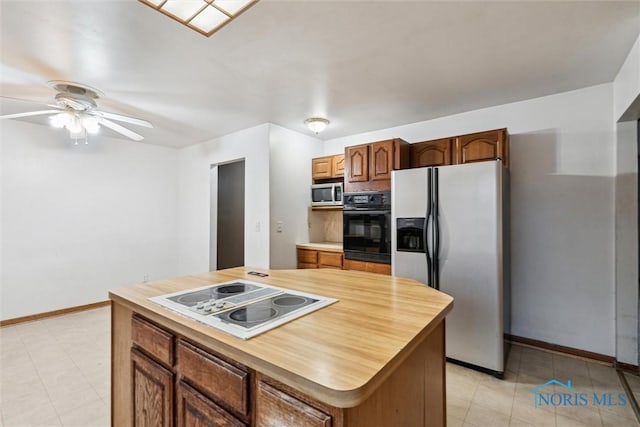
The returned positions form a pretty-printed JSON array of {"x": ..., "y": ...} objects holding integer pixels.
[
  {"x": 208, "y": 390},
  {"x": 152, "y": 392},
  {"x": 310, "y": 258},
  {"x": 196, "y": 410},
  {"x": 275, "y": 408},
  {"x": 369, "y": 267}
]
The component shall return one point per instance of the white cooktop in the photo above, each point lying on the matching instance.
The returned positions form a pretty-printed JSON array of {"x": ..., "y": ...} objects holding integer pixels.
[{"x": 242, "y": 308}]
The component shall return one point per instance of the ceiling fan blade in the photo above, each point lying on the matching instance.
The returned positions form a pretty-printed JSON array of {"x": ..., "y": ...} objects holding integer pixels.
[
  {"x": 30, "y": 101},
  {"x": 126, "y": 119},
  {"x": 121, "y": 130},
  {"x": 30, "y": 113}
]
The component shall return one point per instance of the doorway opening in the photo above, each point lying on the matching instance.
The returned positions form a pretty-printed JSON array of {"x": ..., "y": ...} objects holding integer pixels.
[{"x": 227, "y": 215}]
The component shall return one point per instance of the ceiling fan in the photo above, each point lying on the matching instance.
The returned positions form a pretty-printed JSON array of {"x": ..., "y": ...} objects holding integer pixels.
[{"x": 76, "y": 110}]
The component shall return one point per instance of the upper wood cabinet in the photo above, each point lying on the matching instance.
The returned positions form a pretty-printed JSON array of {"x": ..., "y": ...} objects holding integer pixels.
[
  {"x": 368, "y": 166},
  {"x": 327, "y": 167},
  {"x": 432, "y": 153},
  {"x": 357, "y": 163},
  {"x": 474, "y": 147},
  {"x": 338, "y": 165},
  {"x": 481, "y": 146}
]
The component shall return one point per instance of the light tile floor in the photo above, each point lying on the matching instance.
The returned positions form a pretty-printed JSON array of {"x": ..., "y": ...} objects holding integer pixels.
[{"x": 55, "y": 372}]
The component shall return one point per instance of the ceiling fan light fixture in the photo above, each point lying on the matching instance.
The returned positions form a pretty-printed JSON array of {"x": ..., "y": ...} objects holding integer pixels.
[
  {"x": 203, "y": 16},
  {"x": 60, "y": 120},
  {"x": 316, "y": 124},
  {"x": 90, "y": 124}
]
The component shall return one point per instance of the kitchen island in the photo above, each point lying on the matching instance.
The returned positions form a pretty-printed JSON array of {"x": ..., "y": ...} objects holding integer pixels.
[{"x": 373, "y": 358}]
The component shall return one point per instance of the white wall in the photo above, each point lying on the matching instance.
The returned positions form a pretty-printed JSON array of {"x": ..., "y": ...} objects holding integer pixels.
[
  {"x": 289, "y": 182},
  {"x": 80, "y": 220},
  {"x": 627, "y": 83},
  {"x": 626, "y": 243},
  {"x": 562, "y": 209},
  {"x": 195, "y": 162},
  {"x": 626, "y": 89}
]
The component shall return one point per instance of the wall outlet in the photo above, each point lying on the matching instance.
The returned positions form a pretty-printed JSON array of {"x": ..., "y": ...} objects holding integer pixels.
[
  {"x": 145, "y": 279},
  {"x": 279, "y": 225}
]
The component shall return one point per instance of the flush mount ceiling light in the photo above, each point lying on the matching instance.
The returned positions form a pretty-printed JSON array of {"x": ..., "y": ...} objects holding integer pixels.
[
  {"x": 204, "y": 16},
  {"x": 316, "y": 124}
]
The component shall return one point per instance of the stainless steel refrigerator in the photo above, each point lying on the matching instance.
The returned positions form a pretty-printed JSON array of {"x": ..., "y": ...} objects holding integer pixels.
[{"x": 450, "y": 231}]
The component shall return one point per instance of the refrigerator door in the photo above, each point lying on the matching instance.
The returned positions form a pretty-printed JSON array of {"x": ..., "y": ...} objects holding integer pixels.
[
  {"x": 408, "y": 200},
  {"x": 470, "y": 213}
]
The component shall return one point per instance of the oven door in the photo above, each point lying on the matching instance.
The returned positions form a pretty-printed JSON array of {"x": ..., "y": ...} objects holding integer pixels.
[{"x": 367, "y": 235}]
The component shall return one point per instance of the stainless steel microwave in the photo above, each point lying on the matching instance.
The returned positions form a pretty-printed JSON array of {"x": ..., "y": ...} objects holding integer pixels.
[{"x": 329, "y": 194}]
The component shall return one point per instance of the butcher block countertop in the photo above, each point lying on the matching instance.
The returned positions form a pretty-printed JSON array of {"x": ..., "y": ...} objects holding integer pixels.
[{"x": 339, "y": 354}]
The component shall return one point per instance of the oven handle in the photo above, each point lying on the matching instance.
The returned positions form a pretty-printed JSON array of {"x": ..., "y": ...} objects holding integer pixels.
[{"x": 359, "y": 211}]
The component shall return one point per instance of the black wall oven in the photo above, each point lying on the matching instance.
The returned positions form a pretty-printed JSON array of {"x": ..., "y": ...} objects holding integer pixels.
[{"x": 367, "y": 226}]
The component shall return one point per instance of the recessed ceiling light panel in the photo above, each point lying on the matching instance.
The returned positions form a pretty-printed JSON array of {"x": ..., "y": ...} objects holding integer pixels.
[{"x": 204, "y": 16}]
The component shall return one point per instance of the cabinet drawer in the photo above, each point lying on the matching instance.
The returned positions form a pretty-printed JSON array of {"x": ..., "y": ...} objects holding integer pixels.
[
  {"x": 155, "y": 341},
  {"x": 369, "y": 267},
  {"x": 276, "y": 408},
  {"x": 194, "y": 409},
  {"x": 330, "y": 259},
  {"x": 375, "y": 267},
  {"x": 303, "y": 265},
  {"x": 307, "y": 256},
  {"x": 226, "y": 383}
]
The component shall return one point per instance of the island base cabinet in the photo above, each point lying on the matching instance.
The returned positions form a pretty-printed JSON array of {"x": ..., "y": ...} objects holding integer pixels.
[
  {"x": 152, "y": 392},
  {"x": 195, "y": 410},
  {"x": 413, "y": 395},
  {"x": 203, "y": 389}
]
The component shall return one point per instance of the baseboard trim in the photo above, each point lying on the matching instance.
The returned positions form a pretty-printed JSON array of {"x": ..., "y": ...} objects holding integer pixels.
[
  {"x": 40, "y": 316},
  {"x": 562, "y": 349},
  {"x": 627, "y": 367}
]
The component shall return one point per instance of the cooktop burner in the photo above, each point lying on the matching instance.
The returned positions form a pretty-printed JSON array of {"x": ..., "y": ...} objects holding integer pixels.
[
  {"x": 242, "y": 308},
  {"x": 262, "y": 311},
  {"x": 253, "y": 314},
  {"x": 191, "y": 299}
]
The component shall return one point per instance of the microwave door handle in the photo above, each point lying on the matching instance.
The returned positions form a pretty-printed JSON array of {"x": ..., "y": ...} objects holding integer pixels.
[{"x": 333, "y": 193}]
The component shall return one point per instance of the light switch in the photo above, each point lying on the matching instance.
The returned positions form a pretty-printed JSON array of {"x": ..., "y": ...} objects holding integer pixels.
[{"x": 279, "y": 225}]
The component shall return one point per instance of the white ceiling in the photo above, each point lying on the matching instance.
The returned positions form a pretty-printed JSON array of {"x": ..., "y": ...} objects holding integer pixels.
[{"x": 365, "y": 65}]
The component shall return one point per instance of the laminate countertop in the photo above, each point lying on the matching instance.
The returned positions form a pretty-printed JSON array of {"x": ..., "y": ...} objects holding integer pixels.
[
  {"x": 339, "y": 354},
  {"x": 322, "y": 246}
]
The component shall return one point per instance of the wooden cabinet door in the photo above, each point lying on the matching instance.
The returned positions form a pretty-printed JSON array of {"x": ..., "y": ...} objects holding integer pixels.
[
  {"x": 381, "y": 161},
  {"x": 152, "y": 392},
  {"x": 338, "y": 165},
  {"x": 329, "y": 260},
  {"x": 195, "y": 410},
  {"x": 481, "y": 146},
  {"x": 431, "y": 153},
  {"x": 275, "y": 408},
  {"x": 357, "y": 163},
  {"x": 307, "y": 258},
  {"x": 321, "y": 167}
]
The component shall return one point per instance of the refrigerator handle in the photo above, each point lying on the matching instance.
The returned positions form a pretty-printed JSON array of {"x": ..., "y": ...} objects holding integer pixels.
[
  {"x": 436, "y": 231},
  {"x": 425, "y": 232}
]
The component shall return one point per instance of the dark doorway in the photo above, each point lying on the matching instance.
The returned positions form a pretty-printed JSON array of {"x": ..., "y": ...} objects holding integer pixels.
[{"x": 230, "y": 223}]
